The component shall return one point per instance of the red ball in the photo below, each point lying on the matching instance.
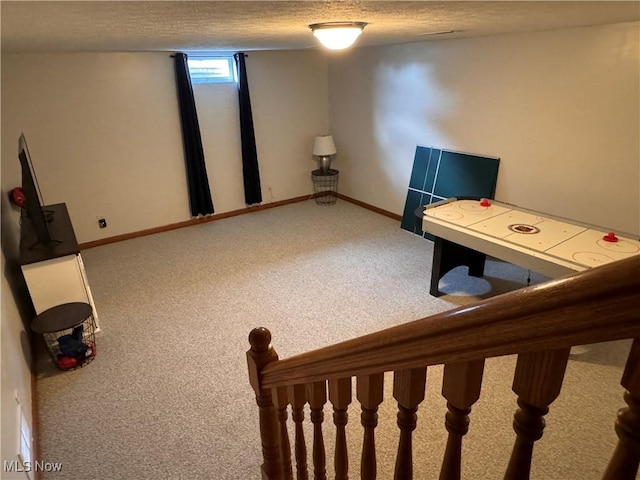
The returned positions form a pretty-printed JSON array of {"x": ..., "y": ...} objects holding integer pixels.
[
  {"x": 17, "y": 197},
  {"x": 66, "y": 363}
]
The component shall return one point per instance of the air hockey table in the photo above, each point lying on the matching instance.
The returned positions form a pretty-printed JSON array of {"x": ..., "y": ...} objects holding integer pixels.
[{"x": 467, "y": 230}]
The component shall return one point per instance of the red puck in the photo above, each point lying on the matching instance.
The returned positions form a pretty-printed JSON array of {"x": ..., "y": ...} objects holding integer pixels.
[
  {"x": 610, "y": 237},
  {"x": 485, "y": 203}
]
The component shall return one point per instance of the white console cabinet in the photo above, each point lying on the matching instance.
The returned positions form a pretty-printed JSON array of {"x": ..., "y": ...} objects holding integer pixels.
[
  {"x": 57, "y": 281},
  {"x": 54, "y": 273}
]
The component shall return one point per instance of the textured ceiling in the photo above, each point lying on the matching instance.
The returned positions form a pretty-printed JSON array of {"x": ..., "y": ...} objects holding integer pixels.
[{"x": 73, "y": 26}]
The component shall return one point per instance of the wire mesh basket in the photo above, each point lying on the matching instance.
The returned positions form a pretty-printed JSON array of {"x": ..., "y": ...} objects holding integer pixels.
[
  {"x": 73, "y": 347},
  {"x": 325, "y": 186},
  {"x": 69, "y": 332}
]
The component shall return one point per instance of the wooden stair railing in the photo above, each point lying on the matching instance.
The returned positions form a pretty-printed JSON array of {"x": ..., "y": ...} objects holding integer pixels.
[{"x": 540, "y": 324}]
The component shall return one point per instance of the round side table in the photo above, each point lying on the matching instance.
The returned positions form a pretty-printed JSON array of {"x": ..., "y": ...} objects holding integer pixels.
[{"x": 69, "y": 332}]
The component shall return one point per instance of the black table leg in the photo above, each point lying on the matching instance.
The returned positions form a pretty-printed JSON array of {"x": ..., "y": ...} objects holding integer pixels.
[{"x": 449, "y": 255}]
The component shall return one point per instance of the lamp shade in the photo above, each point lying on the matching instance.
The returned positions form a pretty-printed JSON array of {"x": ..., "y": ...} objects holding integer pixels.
[
  {"x": 323, "y": 146},
  {"x": 337, "y": 35}
]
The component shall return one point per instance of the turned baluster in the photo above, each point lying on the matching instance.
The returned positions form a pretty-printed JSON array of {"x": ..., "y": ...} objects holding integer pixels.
[
  {"x": 461, "y": 387},
  {"x": 537, "y": 382},
  {"x": 317, "y": 394},
  {"x": 281, "y": 401},
  {"x": 340, "y": 397},
  {"x": 624, "y": 462},
  {"x": 297, "y": 399},
  {"x": 260, "y": 355},
  {"x": 369, "y": 392},
  {"x": 408, "y": 390}
]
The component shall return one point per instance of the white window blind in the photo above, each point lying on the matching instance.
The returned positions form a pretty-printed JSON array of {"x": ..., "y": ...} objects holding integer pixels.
[{"x": 210, "y": 69}]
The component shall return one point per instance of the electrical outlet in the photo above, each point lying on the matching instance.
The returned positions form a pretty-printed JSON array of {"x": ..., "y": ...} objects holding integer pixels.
[{"x": 102, "y": 222}]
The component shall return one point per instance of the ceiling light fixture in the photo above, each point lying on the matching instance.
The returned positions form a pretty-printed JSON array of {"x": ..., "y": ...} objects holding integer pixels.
[{"x": 337, "y": 35}]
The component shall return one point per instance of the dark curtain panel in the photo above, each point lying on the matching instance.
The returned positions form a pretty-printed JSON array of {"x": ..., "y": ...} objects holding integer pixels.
[
  {"x": 250, "y": 170},
  {"x": 197, "y": 180}
]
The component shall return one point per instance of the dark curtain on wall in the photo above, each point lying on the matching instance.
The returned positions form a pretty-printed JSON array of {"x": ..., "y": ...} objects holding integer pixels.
[
  {"x": 250, "y": 170},
  {"x": 197, "y": 180}
]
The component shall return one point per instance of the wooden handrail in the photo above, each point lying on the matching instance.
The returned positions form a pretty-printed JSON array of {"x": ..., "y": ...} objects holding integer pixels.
[{"x": 596, "y": 305}]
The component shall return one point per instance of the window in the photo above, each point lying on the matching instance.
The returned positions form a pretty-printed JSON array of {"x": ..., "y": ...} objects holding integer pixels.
[{"x": 210, "y": 69}]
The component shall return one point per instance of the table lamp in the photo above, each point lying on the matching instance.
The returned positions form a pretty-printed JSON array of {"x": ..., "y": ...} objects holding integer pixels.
[{"x": 324, "y": 150}]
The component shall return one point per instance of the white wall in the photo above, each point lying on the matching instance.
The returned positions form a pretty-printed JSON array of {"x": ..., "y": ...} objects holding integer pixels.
[
  {"x": 15, "y": 358},
  {"x": 560, "y": 109},
  {"x": 289, "y": 97},
  {"x": 104, "y": 133},
  {"x": 15, "y": 351},
  {"x": 289, "y": 100},
  {"x": 104, "y": 136}
]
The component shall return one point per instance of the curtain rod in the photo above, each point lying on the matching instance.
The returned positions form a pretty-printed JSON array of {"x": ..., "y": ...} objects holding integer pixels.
[{"x": 205, "y": 55}]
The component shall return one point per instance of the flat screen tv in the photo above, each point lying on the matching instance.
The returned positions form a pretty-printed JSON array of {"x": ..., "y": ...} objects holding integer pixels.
[{"x": 33, "y": 215}]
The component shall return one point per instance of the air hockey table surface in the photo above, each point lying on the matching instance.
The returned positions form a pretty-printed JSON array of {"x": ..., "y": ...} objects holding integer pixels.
[{"x": 545, "y": 244}]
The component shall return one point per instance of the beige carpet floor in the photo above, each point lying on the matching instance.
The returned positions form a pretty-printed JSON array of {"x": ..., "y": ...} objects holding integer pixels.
[{"x": 167, "y": 396}]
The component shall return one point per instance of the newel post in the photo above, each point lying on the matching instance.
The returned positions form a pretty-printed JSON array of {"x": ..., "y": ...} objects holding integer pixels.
[{"x": 259, "y": 355}]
